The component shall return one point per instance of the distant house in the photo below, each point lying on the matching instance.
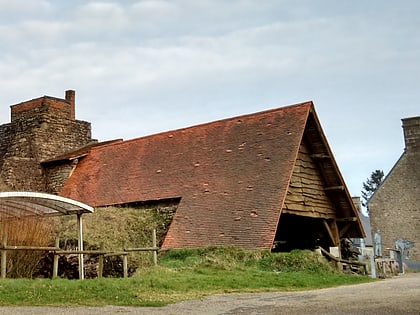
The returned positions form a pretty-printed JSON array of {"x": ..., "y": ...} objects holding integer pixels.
[
  {"x": 265, "y": 180},
  {"x": 395, "y": 206}
]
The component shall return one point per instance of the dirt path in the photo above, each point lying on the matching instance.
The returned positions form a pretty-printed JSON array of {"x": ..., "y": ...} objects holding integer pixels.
[{"x": 398, "y": 295}]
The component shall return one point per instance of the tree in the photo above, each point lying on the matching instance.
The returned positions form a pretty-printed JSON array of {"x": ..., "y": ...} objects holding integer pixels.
[{"x": 371, "y": 185}]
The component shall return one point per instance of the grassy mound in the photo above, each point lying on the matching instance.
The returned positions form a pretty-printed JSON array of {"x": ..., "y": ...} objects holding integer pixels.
[{"x": 228, "y": 258}]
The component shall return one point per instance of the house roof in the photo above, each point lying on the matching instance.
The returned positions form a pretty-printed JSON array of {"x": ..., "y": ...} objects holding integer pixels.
[
  {"x": 78, "y": 153},
  {"x": 231, "y": 176}
]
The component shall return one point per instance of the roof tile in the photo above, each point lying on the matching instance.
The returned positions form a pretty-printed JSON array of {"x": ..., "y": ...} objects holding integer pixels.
[{"x": 231, "y": 175}]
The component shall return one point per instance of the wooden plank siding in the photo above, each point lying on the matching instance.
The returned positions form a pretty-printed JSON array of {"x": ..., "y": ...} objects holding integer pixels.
[{"x": 306, "y": 193}]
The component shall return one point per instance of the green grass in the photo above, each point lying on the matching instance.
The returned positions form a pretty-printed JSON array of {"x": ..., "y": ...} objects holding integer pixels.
[{"x": 184, "y": 275}]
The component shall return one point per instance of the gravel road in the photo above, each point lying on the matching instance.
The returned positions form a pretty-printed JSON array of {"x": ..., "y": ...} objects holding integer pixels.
[{"x": 398, "y": 295}]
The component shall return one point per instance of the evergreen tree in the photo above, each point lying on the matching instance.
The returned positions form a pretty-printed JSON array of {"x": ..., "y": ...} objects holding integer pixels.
[{"x": 371, "y": 185}]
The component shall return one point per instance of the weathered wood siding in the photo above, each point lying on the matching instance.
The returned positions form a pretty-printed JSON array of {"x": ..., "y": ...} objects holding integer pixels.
[{"x": 306, "y": 195}]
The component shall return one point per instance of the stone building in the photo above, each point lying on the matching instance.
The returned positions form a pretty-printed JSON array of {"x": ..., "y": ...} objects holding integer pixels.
[
  {"x": 39, "y": 130},
  {"x": 395, "y": 206},
  {"x": 264, "y": 180}
]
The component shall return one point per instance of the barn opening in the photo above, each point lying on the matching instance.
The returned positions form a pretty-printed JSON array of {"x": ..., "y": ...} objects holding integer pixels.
[{"x": 300, "y": 232}]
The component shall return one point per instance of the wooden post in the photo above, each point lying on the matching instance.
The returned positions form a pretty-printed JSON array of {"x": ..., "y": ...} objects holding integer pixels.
[
  {"x": 125, "y": 263},
  {"x": 101, "y": 261},
  {"x": 55, "y": 263},
  {"x": 3, "y": 256},
  {"x": 334, "y": 234},
  {"x": 154, "y": 245}
]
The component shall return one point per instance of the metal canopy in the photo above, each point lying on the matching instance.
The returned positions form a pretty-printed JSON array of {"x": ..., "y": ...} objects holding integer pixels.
[{"x": 19, "y": 204}]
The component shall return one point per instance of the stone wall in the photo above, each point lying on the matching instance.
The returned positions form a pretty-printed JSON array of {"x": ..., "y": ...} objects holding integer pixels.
[
  {"x": 56, "y": 174},
  {"x": 40, "y": 129},
  {"x": 395, "y": 207}
]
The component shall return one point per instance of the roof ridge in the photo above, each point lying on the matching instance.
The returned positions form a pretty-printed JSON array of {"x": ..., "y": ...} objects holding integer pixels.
[{"x": 162, "y": 133}]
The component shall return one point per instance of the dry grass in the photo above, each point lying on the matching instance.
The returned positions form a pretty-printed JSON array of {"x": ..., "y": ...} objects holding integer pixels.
[
  {"x": 119, "y": 226},
  {"x": 27, "y": 231}
]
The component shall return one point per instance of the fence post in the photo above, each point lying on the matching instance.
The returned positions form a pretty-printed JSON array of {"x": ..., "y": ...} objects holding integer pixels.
[
  {"x": 154, "y": 246},
  {"x": 3, "y": 256},
  {"x": 125, "y": 263},
  {"x": 55, "y": 262},
  {"x": 101, "y": 261}
]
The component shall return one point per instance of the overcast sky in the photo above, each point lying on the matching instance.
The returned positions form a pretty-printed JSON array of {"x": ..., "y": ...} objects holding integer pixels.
[{"x": 141, "y": 67}]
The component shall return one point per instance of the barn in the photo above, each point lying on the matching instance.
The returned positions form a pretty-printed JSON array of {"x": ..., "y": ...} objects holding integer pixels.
[{"x": 265, "y": 180}]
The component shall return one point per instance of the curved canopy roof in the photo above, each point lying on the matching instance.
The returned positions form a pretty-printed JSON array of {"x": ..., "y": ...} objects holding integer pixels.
[{"x": 19, "y": 204}]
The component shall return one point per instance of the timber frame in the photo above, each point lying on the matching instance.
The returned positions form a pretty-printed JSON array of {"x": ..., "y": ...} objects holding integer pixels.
[
  {"x": 252, "y": 181},
  {"x": 317, "y": 189}
]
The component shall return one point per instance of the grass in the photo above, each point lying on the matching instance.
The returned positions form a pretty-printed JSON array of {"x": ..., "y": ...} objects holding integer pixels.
[
  {"x": 184, "y": 275},
  {"x": 33, "y": 231}
]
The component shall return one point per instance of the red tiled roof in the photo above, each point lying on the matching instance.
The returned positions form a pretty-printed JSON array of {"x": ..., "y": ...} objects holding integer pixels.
[
  {"x": 232, "y": 176},
  {"x": 81, "y": 152}
]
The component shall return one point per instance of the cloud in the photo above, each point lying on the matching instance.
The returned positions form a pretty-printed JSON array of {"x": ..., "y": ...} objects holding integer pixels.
[
  {"x": 8, "y": 7},
  {"x": 100, "y": 18},
  {"x": 141, "y": 67}
]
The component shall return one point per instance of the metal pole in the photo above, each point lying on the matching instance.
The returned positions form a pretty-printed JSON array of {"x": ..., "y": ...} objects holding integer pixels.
[{"x": 81, "y": 263}]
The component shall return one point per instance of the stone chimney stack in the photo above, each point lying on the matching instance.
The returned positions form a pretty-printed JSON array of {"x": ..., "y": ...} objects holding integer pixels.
[
  {"x": 411, "y": 127},
  {"x": 357, "y": 203},
  {"x": 71, "y": 97}
]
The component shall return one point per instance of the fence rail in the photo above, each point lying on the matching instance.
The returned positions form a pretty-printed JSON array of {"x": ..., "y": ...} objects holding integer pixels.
[
  {"x": 102, "y": 253},
  {"x": 343, "y": 261}
]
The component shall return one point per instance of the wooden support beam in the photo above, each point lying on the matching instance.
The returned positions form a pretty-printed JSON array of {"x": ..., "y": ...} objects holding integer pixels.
[
  {"x": 331, "y": 188},
  {"x": 344, "y": 230},
  {"x": 320, "y": 156},
  {"x": 327, "y": 227},
  {"x": 332, "y": 229},
  {"x": 348, "y": 219}
]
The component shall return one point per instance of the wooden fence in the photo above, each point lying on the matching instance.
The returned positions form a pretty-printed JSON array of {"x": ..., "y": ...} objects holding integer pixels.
[
  {"x": 102, "y": 253},
  {"x": 340, "y": 262}
]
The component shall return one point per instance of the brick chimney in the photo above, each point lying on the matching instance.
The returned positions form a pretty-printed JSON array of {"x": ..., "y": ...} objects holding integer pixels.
[
  {"x": 71, "y": 98},
  {"x": 411, "y": 127}
]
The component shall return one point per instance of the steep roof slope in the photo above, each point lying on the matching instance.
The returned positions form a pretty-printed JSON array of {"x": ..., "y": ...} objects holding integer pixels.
[{"x": 231, "y": 176}]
